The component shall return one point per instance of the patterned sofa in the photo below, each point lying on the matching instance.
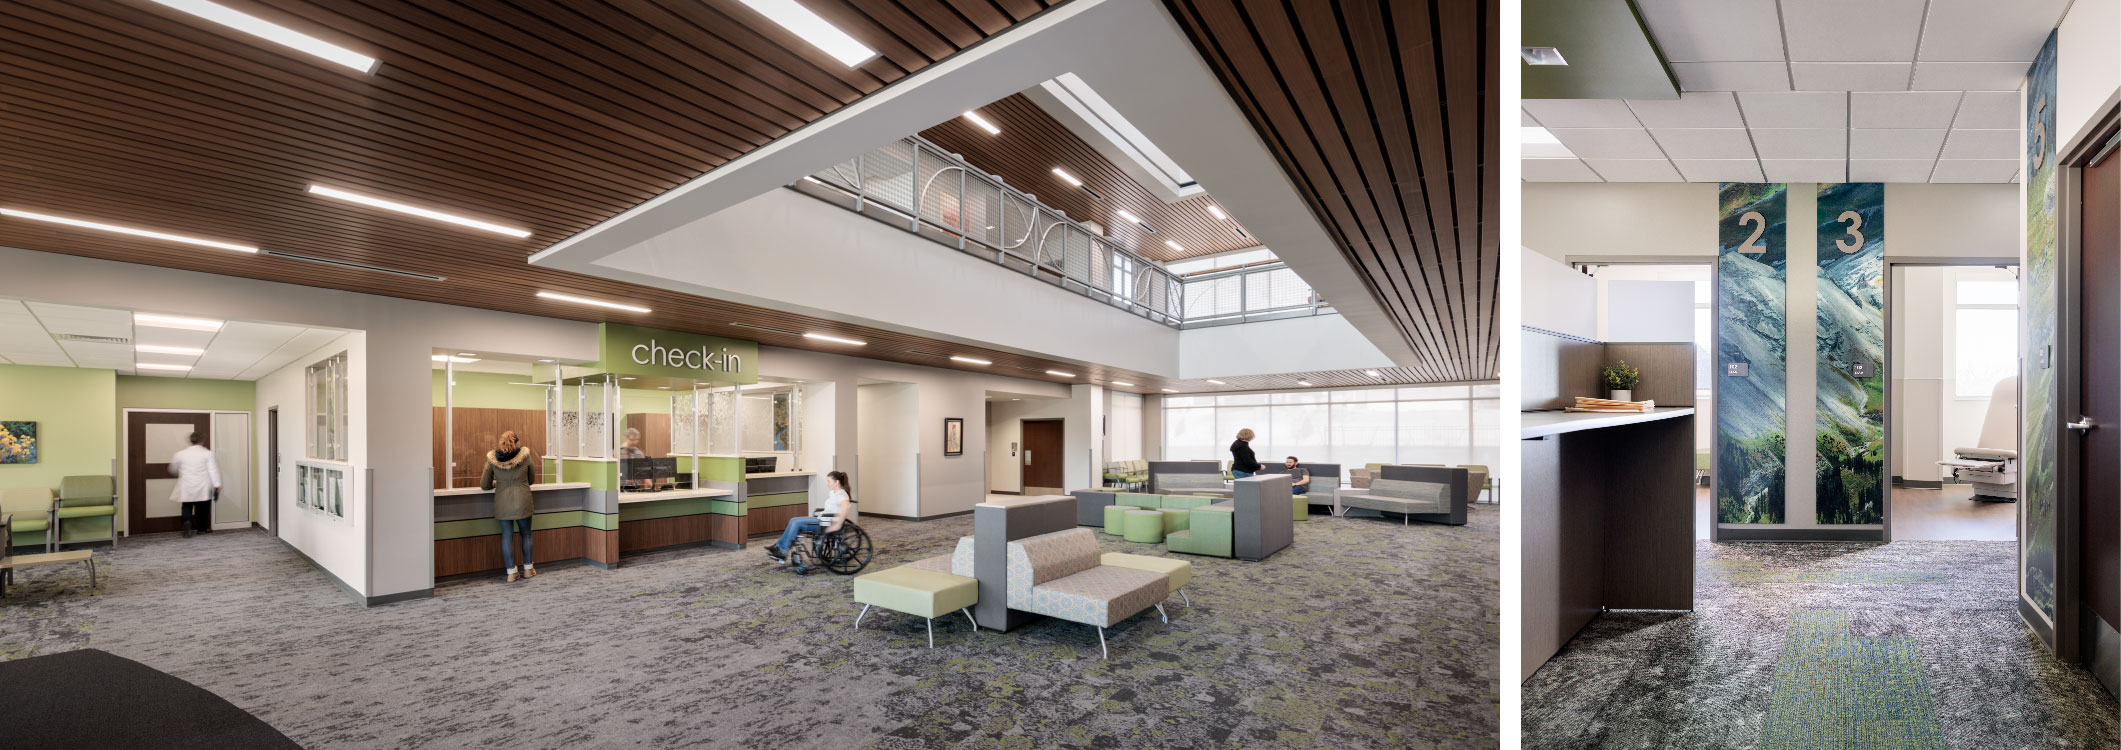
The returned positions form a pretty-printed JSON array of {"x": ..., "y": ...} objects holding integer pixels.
[{"x": 1062, "y": 575}]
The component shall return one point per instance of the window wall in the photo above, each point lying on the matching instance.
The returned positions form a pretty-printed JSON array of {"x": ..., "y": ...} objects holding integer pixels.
[{"x": 1451, "y": 424}]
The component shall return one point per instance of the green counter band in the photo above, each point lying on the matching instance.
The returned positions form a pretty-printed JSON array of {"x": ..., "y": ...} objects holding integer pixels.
[
  {"x": 549, "y": 471},
  {"x": 777, "y": 500},
  {"x": 490, "y": 527},
  {"x": 601, "y": 475},
  {"x": 690, "y": 506},
  {"x": 601, "y": 521},
  {"x": 721, "y": 469},
  {"x": 727, "y": 508}
]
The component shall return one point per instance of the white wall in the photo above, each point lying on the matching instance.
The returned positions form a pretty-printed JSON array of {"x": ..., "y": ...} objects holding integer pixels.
[
  {"x": 1273, "y": 347},
  {"x": 1656, "y": 219},
  {"x": 337, "y": 544},
  {"x": 2087, "y": 66},
  {"x": 1647, "y": 310},
  {"x": 1557, "y": 298},
  {"x": 1123, "y": 426},
  {"x": 889, "y": 436},
  {"x": 820, "y": 428}
]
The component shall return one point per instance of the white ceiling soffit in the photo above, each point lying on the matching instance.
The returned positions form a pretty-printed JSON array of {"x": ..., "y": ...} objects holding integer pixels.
[
  {"x": 1813, "y": 91},
  {"x": 1078, "y": 108},
  {"x": 55, "y": 335}
]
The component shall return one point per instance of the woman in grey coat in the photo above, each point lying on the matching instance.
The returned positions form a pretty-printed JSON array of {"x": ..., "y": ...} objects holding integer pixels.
[{"x": 509, "y": 474}]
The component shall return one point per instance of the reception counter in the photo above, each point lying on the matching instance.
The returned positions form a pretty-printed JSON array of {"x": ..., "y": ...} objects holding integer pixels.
[{"x": 1608, "y": 519}]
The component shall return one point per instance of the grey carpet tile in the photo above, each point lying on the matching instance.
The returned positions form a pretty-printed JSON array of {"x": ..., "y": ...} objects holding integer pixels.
[
  {"x": 1708, "y": 679},
  {"x": 1363, "y": 634}
]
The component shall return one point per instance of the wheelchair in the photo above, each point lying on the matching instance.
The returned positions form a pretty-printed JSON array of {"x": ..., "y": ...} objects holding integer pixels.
[{"x": 845, "y": 552}]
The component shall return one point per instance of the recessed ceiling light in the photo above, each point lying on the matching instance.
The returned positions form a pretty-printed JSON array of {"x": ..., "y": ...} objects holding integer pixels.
[
  {"x": 546, "y": 361},
  {"x": 1218, "y": 382},
  {"x": 1174, "y": 246},
  {"x": 171, "y": 321},
  {"x": 1015, "y": 399},
  {"x": 159, "y": 366},
  {"x": 834, "y": 339},
  {"x": 158, "y": 349},
  {"x": 1373, "y": 373},
  {"x": 1168, "y": 390},
  {"x": 813, "y": 180},
  {"x": 1058, "y": 373},
  {"x": 828, "y": 38},
  {"x": 467, "y": 354},
  {"x": 1069, "y": 177},
  {"x": 587, "y": 301},
  {"x": 274, "y": 33},
  {"x": 983, "y": 123},
  {"x": 1538, "y": 143},
  {"x": 1304, "y": 383},
  {"x": 417, "y": 211},
  {"x": 1217, "y": 212},
  {"x": 1130, "y": 217},
  {"x": 970, "y": 361},
  {"x": 628, "y": 377},
  {"x": 1122, "y": 382},
  {"x": 447, "y": 358},
  {"x": 1542, "y": 56},
  {"x": 127, "y": 230}
]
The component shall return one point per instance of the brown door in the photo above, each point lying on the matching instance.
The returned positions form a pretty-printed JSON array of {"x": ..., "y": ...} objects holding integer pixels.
[
  {"x": 2098, "y": 388},
  {"x": 151, "y": 438},
  {"x": 1044, "y": 441}
]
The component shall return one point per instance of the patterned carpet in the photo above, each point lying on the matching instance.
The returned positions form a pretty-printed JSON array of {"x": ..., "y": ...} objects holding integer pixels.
[
  {"x": 1906, "y": 645},
  {"x": 1363, "y": 634}
]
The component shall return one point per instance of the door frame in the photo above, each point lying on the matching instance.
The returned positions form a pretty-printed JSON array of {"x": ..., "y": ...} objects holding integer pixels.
[
  {"x": 1023, "y": 482},
  {"x": 125, "y": 450},
  {"x": 1885, "y": 369},
  {"x": 272, "y": 458}
]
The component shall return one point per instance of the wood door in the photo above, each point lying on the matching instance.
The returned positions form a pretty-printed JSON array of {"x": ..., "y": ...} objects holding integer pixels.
[
  {"x": 151, "y": 437},
  {"x": 1044, "y": 442},
  {"x": 2098, "y": 464}
]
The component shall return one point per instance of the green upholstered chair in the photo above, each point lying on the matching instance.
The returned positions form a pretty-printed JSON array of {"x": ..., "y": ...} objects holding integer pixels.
[
  {"x": 1185, "y": 501},
  {"x": 1116, "y": 519},
  {"x": 1145, "y": 526},
  {"x": 1701, "y": 466},
  {"x": 32, "y": 510},
  {"x": 1175, "y": 519},
  {"x": 87, "y": 510},
  {"x": 1479, "y": 482},
  {"x": 1138, "y": 500},
  {"x": 919, "y": 592},
  {"x": 1210, "y": 530},
  {"x": 1137, "y": 472}
]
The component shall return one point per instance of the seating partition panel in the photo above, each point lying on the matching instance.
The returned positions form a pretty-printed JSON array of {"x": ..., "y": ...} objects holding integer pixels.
[
  {"x": 994, "y": 525},
  {"x": 1266, "y": 516}
]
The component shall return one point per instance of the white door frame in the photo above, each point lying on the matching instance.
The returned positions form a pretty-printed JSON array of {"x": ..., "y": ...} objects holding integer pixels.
[{"x": 125, "y": 450}]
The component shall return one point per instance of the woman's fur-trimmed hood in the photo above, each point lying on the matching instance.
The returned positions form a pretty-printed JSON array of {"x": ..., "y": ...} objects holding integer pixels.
[{"x": 492, "y": 457}]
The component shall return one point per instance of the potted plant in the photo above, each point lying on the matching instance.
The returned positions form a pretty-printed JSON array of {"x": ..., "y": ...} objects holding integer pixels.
[{"x": 1620, "y": 379}]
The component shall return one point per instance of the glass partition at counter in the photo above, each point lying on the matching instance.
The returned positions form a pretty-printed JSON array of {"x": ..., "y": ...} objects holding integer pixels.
[{"x": 476, "y": 400}]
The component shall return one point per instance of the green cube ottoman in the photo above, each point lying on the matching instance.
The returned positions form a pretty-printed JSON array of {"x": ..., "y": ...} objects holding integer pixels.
[
  {"x": 1210, "y": 530},
  {"x": 1175, "y": 519},
  {"x": 1303, "y": 508},
  {"x": 1179, "y": 571},
  {"x": 1145, "y": 526},
  {"x": 921, "y": 593},
  {"x": 1116, "y": 518}
]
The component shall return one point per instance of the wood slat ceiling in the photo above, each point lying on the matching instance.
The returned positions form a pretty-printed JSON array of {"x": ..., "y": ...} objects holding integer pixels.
[
  {"x": 1032, "y": 144},
  {"x": 1386, "y": 114}
]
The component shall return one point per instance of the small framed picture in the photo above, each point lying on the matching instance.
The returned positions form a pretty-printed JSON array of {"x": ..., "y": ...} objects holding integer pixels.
[{"x": 953, "y": 436}]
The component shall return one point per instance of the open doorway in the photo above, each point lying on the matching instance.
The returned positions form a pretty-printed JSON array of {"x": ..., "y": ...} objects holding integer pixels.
[
  {"x": 1641, "y": 301},
  {"x": 1952, "y": 407}
]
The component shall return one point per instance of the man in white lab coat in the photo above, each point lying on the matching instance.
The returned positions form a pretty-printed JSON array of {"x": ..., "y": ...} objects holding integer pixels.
[{"x": 198, "y": 479}]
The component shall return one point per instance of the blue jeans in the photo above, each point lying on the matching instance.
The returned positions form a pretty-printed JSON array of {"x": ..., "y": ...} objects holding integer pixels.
[
  {"x": 1239, "y": 474},
  {"x": 798, "y": 526},
  {"x": 1299, "y": 489},
  {"x": 509, "y": 530}
]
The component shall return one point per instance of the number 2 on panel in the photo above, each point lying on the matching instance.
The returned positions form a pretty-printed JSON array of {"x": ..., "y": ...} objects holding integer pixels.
[
  {"x": 1752, "y": 243},
  {"x": 1855, "y": 229}
]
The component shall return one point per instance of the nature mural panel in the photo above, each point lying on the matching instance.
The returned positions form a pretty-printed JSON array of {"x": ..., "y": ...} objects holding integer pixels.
[
  {"x": 1751, "y": 301},
  {"x": 2038, "y": 467},
  {"x": 1850, "y": 471}
]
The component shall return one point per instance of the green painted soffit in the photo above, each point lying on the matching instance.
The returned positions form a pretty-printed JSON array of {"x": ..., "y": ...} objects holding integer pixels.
[{"x": 1610, "y": 52}]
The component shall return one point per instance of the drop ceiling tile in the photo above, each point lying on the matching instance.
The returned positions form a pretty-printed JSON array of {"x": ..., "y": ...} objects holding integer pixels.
[
  {"x": 1582, "y": 113},
  {"x": 1691, "y": 110},
  {"x": 1896, "y": 143},
  {"x": 1975, "y": 170},
  {"x": 1902, "y": 109},
  {"x": 1719, "y": 170},
  {"x": 83, "y": 321},
  {"x": 241, "y": 344},
  {"x": 1890, "y": 170},
  {"x": 1850, "y": 76},
  {"x": 1530, "y": 150},
  {"x": 1805, "y": 170},
  {"x": 1986, "y": 30},
  {"x": 1842, "y": 31},
  {"x": 1980, "y": 144},
  {"x": 1691, "y": 30},
  {"x": 1705, "y": 143},
  {"x": 1635, "y": 170},
  {"x": 1608, "y": 143},
  {"x": 1988, "y": 109},
  {"x": 1732, "y": 76},
  {"x": 1786, "y": 143},
  {"x": 24, "y": 341},
  {"x": 1968, "y": 76},
  {"x": 98, "y": 354},
  {"x": 1557, "y": 170},
  {"x": 1795, "y": 109}
]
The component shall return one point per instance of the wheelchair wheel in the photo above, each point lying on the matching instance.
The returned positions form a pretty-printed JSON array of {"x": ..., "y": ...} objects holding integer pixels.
[{"x": 847, "y": 552}]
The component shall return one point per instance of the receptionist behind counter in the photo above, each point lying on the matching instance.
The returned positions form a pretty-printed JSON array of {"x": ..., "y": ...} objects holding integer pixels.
[{"x": 639, "y": 470}]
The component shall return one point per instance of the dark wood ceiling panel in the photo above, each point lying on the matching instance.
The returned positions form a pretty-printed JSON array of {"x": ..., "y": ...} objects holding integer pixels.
[
  {"x": 1384, "y": 112},
  {"x": 1032, "y": 144}
]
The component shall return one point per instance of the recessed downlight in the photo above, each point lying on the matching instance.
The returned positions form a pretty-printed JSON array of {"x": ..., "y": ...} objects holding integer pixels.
[
  {"x": 1057, "y": 373},
  {"x": 983, "y": 123},
  {"x": 1069, "y": 177},
  {"x": 160, "y": 366},
  {"x": 152, "y": 320},
  {"x": 821, "y": 34},
  {"x": 275, "y": 33},
  {"x": 159, "y": 349},
  {"x": 970, "y": 361},
  {"x": 595, "y": 302},
  {"x": 403, "y": 208},
  {"x": 835, "y": 339},
  {"x": 1218, "y": 382},
  {"x": 127, "y": 230}
]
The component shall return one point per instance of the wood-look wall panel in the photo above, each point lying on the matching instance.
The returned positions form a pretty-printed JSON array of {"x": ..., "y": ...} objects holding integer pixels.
[
  {"x": 482, "y": 553},
  {"x": 772, "y": 520},
  {"x": 663, "y": 532}
]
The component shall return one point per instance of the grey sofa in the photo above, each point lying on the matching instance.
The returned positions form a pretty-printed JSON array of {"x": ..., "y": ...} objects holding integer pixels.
[{"x": 1413, "y": 493}]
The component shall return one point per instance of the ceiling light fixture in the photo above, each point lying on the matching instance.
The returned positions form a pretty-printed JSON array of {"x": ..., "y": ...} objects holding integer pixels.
[
  {"x": 1060, "y": 374},
  {"x": 158, "y": 349},
  {"x": 1174, "y": 246},
  {"x": 1218, "y": 382},
  {"x": 1122, "y": 382},
  {"x": 1373, "y": 373},
  {"x": 274, "y": 33},
  {"x": 457, "y": 360},
  {"x": 970, "y": 361},
  {"x": 983, "y": 123},
  {"x": 1168, "y": 390},
  {"x": 834, "y": 339},
  {"x": 171, "y": 321},
  {"x": 402, "y": 208},
  {"x": 1130, "y": 217},
  {"x": 546, "y": 361},
  {"x": 828, "y": 38},
  {"x": 127, "y": 230},
  {"x": 813, "y": 180},
  {"x": 1069, "y": 177},
  {"x": 159, "y": 366},
  {"x": 587, "y": 301},
  {"x": 1217, "y": 213},
  {"x": 1538, "y": 143},
  {"x": 467, "y": 354},
  {"x": 1304, "y": 383},
  {"x": 1542, "y": 56}
]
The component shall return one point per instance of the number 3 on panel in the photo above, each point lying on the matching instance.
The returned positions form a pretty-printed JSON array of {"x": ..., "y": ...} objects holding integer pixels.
[
  {"x": 1855, "y": 229},
  {"x": 1752, "y": 243}
]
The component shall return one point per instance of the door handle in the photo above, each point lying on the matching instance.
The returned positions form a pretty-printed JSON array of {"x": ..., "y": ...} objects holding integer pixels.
[{"x": 2082, "y": 425}]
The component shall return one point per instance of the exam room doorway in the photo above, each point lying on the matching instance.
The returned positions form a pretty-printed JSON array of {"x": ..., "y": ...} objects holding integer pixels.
[{"x": 1952, "y": 405}]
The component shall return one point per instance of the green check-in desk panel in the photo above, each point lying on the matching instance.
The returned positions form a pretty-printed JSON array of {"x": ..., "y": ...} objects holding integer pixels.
[{"x": 588, "y": 520}]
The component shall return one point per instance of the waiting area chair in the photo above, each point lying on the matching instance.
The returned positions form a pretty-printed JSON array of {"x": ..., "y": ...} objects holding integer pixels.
[
  {"x": 32, "y": 512},
  {"x": 86, "y": 512}
]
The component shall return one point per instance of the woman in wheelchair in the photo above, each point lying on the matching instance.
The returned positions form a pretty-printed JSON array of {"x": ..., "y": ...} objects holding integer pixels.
[{"x": 838, "y": 507}]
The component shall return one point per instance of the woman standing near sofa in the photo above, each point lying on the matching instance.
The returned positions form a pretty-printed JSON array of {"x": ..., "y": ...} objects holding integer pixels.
[
  {"x": 1242, "y": 462},
  {"x": 509, "y": 474}
]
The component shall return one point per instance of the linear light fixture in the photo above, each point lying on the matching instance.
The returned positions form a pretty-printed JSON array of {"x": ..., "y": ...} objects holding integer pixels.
[
  {"x": 1058, "y": 373},
  {"x": 1304, "y": 383},
  {"x": 402, "y": 208},
  {"x": 159, "y": 349},
  {"x": 983, "y": 123},
  {"x": 587, "y": 301},
  {"x": 1122, "y": 382},
  {"x": 1136, "y": 219},
  {"x": 457, "y": 360},
  {"x": 970, "y": 361},
  {"x": 834, "y": 339},
  {"x": 1174, "y": 246},
  {"x": 1218, "y": 382},
  {"x": 467, "y": 354},
  {"x": 1069, "y": 177},
  {"x": 275, "y": 33},
  {"x": 171, "y": 321},
  {"x": 1217, "y": 212},
  {"x": 160, "y": 366},
  {"x": 1373, "y": 373},
  {"x": 127, "y": 230},
  {"x": 821, "y": 34}
]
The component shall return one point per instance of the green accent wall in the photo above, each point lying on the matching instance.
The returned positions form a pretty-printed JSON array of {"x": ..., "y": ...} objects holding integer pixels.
[
  {"x": 76, "y": 411},
  {"x": 489, "y": 390},
  {"x": 777, "y": 500},
  {"x": 675, "y": 354},
  {"x": 690, "y": 506},
  {"x": 490, "y": 527},
  {"x": 602, "y": 475},
  {"x": 138, "y": 392},
  {"x": 721, "y": 469}
]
